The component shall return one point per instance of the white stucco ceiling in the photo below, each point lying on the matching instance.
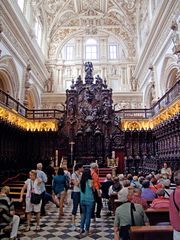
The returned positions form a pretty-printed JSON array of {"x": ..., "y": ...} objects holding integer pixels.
[{"x": 62, "y": 19}]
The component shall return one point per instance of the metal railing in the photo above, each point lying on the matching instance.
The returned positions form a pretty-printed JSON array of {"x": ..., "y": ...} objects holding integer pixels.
[
  {"x": 170, "y": 96},
  {"x": 167, "y": 99},
  {"x": 10, "y": 102}
]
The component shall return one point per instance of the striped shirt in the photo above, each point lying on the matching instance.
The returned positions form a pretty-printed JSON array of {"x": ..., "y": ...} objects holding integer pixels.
[{"x": 5, "y": 208}]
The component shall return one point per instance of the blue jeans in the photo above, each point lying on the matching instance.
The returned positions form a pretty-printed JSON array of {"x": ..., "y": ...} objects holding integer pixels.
[
  {"x": 76, "y": 202},
  {"x": 87, "y": 208}
]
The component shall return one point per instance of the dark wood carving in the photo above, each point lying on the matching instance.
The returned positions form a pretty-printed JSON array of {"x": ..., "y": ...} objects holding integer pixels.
[{"x": 89, "y": 120}]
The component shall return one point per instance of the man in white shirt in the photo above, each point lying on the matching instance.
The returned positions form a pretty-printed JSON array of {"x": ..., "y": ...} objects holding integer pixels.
[{"x": 43, "y": 176}]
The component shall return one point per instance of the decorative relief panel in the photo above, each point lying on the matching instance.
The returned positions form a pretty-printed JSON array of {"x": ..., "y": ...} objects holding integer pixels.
[{"x": 76, "y": 14}]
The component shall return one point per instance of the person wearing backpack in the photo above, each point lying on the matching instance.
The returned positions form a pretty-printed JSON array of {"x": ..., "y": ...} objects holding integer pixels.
[{"x": 67, "y": 184}]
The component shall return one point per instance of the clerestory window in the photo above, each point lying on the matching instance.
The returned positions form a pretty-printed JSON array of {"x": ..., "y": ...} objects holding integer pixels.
[
  {"x": 113, "y": 51},
  {"x": 38, "y": 31},
  {"x": 91, "y": 49}
]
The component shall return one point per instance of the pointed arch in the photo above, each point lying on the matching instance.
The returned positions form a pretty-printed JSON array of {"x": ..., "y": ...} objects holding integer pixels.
[{"x": 9, "y": 75}]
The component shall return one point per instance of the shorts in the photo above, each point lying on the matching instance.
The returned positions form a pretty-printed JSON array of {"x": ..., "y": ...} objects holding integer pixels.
[{"x": 32, "y": 207}]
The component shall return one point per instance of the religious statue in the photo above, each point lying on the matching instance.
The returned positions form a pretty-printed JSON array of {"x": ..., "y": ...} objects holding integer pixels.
[
  {"x": 48, "y": 86},
  {"x": 106, "y": 107},
  {"x": 79, "y": 80},
  {"x": 99, "y": 80},
  {"x": 71, "y": 107},
  {"x": 88, "y": 69},
  {"x": 134, "y": 83},
  {"x": 88, "y": 95},
  {"x": 175, "y": 34},
  {"x": 153, "y": 94}
]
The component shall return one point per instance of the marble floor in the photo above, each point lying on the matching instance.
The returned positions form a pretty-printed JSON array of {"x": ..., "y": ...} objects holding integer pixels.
[{"x": 54, "y": 229}]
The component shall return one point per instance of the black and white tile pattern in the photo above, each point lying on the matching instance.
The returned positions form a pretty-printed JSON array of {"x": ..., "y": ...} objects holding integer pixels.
[{"x": 54, "y": 229}]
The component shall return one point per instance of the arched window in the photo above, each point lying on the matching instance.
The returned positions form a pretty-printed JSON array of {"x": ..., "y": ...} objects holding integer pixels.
[
  {"x": 38, "y": 30},
  {"x": 113, "y": 51},
  {"x": 21, "y": 4},
  {"x": 68, "y": 51},
  {"x": 91, "y": 49}
]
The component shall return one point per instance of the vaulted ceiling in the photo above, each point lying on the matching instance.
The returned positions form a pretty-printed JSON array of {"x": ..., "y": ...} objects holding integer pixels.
[{"x": 63, "y": 19}]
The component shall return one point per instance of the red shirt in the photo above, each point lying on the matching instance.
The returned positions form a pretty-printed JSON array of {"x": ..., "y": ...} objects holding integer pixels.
[
  {"x": 154, "y": 188},
  {"x": 174, "y": 215},
  {"x": 139, "y": 200},
  {"x": 160, "y": 202},
  {"x": 95, "y": 178}
]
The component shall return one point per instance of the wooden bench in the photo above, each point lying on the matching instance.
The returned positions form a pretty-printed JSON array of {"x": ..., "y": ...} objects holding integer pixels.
[
  {"x": 112, "y": 202},
  {"x": 156, "y": 216},
  {"x": 151, "y": 233}
]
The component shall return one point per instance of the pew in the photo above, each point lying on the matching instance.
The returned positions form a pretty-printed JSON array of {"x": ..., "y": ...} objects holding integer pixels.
[
  {"x": 151, "y": 233},
  {"x": 112, "y": 202},
  {"x": 156, "y": 216}
]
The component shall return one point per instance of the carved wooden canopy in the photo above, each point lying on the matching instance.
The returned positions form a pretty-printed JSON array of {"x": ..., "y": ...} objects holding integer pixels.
[{"x": 89, "y": 119}]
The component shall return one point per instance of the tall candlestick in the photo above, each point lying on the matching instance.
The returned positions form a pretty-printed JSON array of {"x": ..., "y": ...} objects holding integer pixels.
[
  {"x": 56, "y": 157},
  {"x": 71, "y": 151},
  {"x": 113, "y": 154}
]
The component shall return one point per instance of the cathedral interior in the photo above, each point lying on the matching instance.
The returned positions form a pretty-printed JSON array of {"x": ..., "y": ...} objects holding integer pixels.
[{"x": 90, "y": 80}]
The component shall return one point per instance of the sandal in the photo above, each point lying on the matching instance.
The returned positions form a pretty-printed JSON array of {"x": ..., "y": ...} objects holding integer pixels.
[
  {"x": 27, "y": 229},
  {"x": 38, "y": 228}
]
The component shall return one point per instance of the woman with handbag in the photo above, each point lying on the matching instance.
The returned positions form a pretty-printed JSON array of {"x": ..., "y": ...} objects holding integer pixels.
[
  {"x": 33, "y": 198},
  {"x": 87, "y": 202}
]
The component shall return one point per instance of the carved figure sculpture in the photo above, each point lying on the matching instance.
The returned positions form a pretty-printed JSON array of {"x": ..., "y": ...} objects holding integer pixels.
[{"x": 88, "y": 68}]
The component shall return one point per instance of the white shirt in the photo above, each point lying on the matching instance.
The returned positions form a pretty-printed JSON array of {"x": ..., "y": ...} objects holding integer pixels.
[{"x": 36, "y": 188}]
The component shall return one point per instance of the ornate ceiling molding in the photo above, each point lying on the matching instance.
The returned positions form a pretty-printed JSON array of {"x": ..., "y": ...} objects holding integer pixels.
[
  {"x": 62, "y": 18},
  {"x": 157, "y": 36}
]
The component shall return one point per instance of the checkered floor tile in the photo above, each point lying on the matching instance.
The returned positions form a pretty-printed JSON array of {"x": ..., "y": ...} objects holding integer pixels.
[{"x": 53, "y": 229}]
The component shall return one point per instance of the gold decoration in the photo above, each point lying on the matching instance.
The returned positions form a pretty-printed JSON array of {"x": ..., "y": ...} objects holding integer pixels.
[
  {"x": 13, "y": 117},
  {"x": 164, "y": 114}
]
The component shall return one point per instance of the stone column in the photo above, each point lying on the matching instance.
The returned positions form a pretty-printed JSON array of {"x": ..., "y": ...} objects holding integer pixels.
[{"x": 103, "y": 49}]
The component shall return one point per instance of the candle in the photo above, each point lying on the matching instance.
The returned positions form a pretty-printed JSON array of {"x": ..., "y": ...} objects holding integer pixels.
[{"x": 56, "y": 157}]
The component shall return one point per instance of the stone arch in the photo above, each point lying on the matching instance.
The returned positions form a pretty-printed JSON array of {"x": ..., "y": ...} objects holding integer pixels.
[
  {"x": 33, "y": 98},
  {"x": 79, "y": 32},
  {"x": 168, "y": 72},
  {"x": 134, "y": 125},
  {"x": 9, "y": 75},
  {"x": 148, "y": 96}
]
